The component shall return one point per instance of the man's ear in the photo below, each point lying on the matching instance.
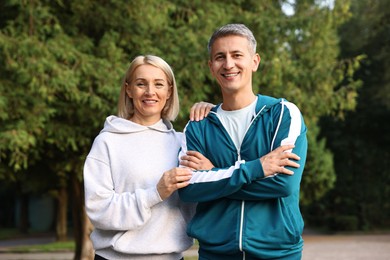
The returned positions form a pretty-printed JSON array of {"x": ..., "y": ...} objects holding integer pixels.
[
  {"x": 256, "y": 62},
  {"x": 210, "y": 63}
]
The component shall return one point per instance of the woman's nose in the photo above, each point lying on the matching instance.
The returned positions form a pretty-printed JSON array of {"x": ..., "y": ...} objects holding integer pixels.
[{"x": 149, "y": 90}]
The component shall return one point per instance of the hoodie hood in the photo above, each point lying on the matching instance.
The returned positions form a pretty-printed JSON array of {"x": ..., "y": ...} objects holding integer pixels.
[{"x": 114, "y": 124}]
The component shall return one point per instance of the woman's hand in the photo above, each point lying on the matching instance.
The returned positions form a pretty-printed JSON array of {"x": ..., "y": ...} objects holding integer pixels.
[
  {"x": 172, "y": 180},
  {"x": 200, "y": 110},
  {"x": 196, "y": 161}
]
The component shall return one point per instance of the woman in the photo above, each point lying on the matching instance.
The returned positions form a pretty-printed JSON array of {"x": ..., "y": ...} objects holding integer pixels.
[{"x": 131, "y": 172}]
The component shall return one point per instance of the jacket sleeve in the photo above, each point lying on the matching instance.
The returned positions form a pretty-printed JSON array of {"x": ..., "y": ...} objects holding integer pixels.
[
  {"x": 217, "y": 182},
  {"x": 292, "y": 130},
  {"x": 278, "y": 185}
]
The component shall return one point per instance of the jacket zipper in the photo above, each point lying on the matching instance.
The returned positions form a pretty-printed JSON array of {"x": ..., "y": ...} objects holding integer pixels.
[
  {"x": 241, "y": 224},
  {"x": 243, "y": 202}
]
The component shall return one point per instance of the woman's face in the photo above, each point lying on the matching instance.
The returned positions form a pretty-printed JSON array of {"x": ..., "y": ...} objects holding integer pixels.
[{"x": 149, "y": 90}]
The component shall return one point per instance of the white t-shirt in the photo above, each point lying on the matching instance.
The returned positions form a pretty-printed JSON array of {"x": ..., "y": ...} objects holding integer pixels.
[{"x": 236, "y": 122}]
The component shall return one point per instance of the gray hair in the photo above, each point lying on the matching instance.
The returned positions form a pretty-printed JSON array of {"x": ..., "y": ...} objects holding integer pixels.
[{"x": 233, "y": 29}]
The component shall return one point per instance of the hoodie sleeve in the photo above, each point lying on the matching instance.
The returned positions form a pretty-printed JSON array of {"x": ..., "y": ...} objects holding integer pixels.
[
  {"x": 291, "y": 130},
  {"x": 107, "y": 209}
]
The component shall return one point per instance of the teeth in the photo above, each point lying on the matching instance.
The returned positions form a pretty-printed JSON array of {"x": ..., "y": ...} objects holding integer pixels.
[
  {"x": 150, "y": 101},
  {"x": 231, "y": 75}
]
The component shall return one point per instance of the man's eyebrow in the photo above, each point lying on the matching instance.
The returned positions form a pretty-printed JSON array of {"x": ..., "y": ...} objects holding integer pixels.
[
  {"x": 218, "y": 53},
  {"x": 223, "y": 53},
  {"x": 236, "y": 51}
]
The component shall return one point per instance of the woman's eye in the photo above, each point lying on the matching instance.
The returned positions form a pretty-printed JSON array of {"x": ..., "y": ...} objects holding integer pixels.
[{"x": 140, "y": 84}]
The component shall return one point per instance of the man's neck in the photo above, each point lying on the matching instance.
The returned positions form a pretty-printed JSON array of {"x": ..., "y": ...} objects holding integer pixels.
[{"x": 237, "y": 101}]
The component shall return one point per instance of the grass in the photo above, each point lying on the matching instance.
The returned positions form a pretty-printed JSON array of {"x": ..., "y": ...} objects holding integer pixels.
[
  {"x": 6, "y": 233},
  {"x": 50, "y": 247},
  {"x": 14, "y": 234}
]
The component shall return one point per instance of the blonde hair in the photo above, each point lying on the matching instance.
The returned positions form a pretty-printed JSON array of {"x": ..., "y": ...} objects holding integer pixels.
[{"x": 125, "y": 103}]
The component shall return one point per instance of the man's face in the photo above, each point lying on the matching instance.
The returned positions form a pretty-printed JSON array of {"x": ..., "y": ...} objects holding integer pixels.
[{"x": 232, "y": 63}]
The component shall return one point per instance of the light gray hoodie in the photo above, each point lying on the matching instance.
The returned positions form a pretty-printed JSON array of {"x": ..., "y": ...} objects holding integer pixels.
[{"x": 121, "y": 172}]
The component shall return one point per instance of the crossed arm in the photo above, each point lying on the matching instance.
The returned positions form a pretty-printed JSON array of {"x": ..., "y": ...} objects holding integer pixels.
[{"x": 272, "y": 163}]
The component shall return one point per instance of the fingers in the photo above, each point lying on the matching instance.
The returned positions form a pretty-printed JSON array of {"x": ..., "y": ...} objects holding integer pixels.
[
  {"x": 191, "y": 159},
  {"x": 195, "y": 155},
  {"x": 285, "y": 151},
  {"x": 200, "y": 110},
  {"x": 179, "y": 175},
  {"x": 288, "y": 162},
  {"x": 286, "y": 171},
  {"x": 189, "y": 164},
  {"x": 196, "y": 161},
  {"x": 277, "y": 161},
  {"x": 291, "y": 156},
  {"x": 172, "y": 180}
]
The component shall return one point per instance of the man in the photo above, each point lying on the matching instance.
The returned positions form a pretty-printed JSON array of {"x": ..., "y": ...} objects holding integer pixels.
[{"x": 249, "y": 210}]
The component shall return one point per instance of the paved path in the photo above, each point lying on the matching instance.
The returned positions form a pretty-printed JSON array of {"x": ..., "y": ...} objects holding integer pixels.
[
  {"x": 317, "y": 247},
  {"x": 345, "y": 247}
]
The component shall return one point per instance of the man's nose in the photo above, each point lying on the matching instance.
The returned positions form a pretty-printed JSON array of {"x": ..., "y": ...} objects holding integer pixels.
[{"x": 229, "y": 63}]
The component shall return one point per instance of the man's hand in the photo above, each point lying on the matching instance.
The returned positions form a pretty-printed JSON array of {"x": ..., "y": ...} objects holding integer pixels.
[
  {"x": 200, "y": 110},
  {"x": 275, "y": 161},
  {"x": 196, "y": 161},
  {"x": 172, "y": 180}
]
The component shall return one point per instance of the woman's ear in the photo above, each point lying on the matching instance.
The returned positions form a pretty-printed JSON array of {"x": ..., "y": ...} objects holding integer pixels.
[
  {"x": 170, "y": 90},
  {"x": 128, "y": 90}
]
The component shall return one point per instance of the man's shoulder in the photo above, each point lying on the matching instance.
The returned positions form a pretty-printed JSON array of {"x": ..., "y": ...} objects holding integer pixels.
[
  {"x": 207, "y": 122},
  {"x": 268, "y": 101}
]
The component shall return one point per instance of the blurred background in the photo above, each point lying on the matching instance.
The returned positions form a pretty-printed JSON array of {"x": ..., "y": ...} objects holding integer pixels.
[{"x": 61, "y": 66}]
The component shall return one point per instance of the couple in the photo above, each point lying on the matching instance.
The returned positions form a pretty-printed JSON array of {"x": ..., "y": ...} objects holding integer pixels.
[{"x": 239, "y": 165}]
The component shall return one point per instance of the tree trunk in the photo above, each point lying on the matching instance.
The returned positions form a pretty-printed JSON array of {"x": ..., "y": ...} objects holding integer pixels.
[
  {"x": 82, "y": 226},
  {"x": 87, "y": 247},
  {"x": 23, "y": 219},
  {"x": 61, "y": 223}
]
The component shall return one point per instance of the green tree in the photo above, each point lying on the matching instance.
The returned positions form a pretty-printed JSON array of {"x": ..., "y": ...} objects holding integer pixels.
[
  {"x": 300, "y": 61},
  {"x": 61, "y": 64},
  {"x": 55, "y": 88},
  {"x": 360, "y": 142}
]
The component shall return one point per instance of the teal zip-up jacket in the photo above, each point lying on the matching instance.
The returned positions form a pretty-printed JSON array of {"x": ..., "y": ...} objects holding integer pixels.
[{"x": 239, "y": 210}]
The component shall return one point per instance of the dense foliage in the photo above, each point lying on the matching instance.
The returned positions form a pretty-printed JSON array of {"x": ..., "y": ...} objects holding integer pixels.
[
  {"x": 360, "y": 143},
  {"x": 61, "y": 63}
]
